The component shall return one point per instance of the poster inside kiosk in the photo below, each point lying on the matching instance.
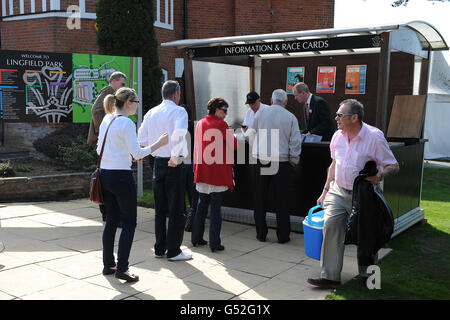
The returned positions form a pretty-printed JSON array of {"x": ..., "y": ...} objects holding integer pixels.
[
  {"x": 326, "y": 79},
  {"x": 56, "y": 87}
]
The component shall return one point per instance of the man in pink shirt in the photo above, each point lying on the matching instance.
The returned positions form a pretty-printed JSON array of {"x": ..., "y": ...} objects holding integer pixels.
[{"x": 351, "y": 147}]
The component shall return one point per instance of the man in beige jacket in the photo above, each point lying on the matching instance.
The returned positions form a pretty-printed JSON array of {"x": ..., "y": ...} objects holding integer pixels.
[{"x": 116, "y": 80}]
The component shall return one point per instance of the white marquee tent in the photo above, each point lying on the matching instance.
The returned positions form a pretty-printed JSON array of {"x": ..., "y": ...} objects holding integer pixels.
[{"x": 437, "y": 117}]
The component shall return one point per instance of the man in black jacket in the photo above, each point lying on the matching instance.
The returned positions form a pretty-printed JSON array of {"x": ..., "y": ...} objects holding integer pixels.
[
  {"x": 318, "y": 116},
  {"x": 352, "y": 146}
]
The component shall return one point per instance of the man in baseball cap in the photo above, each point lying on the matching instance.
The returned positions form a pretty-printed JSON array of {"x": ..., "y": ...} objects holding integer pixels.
[{"x": 254, "y": 102}]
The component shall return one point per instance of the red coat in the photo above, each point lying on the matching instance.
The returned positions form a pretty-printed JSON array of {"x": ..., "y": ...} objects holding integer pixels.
[{"x": 214, "y": 152}]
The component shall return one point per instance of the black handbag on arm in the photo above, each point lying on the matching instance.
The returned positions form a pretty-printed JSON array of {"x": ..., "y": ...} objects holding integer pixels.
[{"x": 95, "y": 191}]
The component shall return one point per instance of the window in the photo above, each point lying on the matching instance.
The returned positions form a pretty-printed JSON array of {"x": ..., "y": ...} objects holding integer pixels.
[
  {"x": 165, "y": 76},
  {"x": 50, "y": 9},
  {"x": 164, "y": 14}
]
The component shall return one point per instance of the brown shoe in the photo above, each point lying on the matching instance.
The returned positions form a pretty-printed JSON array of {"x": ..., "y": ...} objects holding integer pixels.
[{"x": 324, "y": 283}]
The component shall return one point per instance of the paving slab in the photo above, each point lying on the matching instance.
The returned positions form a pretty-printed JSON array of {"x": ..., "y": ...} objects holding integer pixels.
[
  {"x": 275, "y": 289},
  {"x": 31, "y": 250},
  {"x": 174, "y": 269},
  {"x": 30, "y": 279},
  {"x": 225, "y": 279},
  {"x": 17, "y": 210},
  {"x": 177, "y": 289},
  {"x": 282, "y": 252},
  {"x": 54, "y": 251},
  {"x": 78, "y": 266},
  {"x": 5, "y": 296},
  {"x": 77, "y": 290},
  {"x": 258, "y": 265}
]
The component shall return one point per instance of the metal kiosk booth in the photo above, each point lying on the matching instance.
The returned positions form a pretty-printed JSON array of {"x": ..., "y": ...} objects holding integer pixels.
[{"x": 395, "y": 60}]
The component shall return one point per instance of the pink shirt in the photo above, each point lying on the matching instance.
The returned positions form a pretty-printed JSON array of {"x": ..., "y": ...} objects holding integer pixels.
[{"x": 351, "y": 157}]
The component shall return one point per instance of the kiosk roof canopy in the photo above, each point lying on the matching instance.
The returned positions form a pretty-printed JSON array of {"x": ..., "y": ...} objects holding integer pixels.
[{"x": 429, "y": 36}]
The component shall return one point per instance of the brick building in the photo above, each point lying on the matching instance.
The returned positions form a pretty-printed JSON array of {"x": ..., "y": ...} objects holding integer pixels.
[{"x": 43, "y": 25}]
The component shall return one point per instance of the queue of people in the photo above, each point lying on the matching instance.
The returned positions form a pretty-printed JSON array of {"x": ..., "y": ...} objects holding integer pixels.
[{"x": 275, "y": 140}]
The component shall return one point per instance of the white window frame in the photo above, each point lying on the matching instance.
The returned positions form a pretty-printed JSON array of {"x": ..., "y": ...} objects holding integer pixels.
[
  {"x": 165, "y": 75},
  {"x": 53, "y": 11},
  {"x": 168, "y": 17}
]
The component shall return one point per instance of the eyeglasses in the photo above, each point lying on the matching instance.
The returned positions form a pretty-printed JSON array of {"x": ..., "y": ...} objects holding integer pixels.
[
  {"x": 224, "y": 109},
  {"x": 122, "y": 84},
  {"x": 341, "y": 115},
  {"x": 134, "y": 101}
]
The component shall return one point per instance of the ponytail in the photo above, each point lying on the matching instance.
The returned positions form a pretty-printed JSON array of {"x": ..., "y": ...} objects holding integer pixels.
[
  {"x": 118, "y": 100},
  {"x": 109, "y": 103}
]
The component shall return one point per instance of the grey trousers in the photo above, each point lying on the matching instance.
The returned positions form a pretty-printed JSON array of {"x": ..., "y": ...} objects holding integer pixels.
[{"x": 337, "y": 205}]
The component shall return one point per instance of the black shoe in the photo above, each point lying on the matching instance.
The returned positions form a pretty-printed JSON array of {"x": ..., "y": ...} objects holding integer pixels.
[
  {"x": 109, "y": 270},
  {"x": 219, "y": 248},
  {"x": 129, "y": 277},
  {"x": 284, "y": 241},
  {"x": 262, "y": 239},
  {"x": 200, "y": 243}
]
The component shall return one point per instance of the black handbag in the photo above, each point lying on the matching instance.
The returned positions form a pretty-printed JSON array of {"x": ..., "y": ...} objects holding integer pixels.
[{"x": 95, "y": 190}]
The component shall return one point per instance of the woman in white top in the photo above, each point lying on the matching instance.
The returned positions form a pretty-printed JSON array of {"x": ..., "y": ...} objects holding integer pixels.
[{"x": 118, "y": 186}]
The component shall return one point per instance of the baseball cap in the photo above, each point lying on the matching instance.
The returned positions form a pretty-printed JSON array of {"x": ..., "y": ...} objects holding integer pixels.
[{"x": 252, "y": 97}]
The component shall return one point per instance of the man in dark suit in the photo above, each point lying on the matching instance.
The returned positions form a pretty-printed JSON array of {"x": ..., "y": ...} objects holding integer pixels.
[{"x": 318, "y": 116}]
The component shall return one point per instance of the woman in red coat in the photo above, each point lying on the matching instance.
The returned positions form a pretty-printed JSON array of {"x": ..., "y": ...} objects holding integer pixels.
[{"x": 213, "y": 170}]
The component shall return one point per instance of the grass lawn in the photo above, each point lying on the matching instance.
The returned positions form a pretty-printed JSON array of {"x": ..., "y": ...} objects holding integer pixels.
[
  {"x": 419, "y": 265},
  {"x": 147, "y": 199}
]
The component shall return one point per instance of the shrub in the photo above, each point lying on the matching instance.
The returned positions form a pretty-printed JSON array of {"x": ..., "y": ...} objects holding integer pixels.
[
  {"x": 63, "y": 137},
  {"x": 125, "y": 28},
  {"x": 78, "y": 155},
  {"x": 23, "y": 168},
  {"x": 6, "y": 170}
]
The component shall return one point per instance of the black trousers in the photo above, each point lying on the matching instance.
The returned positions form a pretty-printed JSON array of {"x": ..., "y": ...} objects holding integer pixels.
[
  {"x": 281, "y": 181},
  {"x": 168, "y": 192}
]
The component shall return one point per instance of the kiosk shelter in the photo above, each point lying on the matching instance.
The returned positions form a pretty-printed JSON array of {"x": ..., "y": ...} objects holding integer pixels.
[{"x": 375, "y": 65}]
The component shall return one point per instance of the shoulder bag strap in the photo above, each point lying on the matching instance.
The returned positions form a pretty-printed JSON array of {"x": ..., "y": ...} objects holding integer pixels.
[{"x": 104, "y": 140}]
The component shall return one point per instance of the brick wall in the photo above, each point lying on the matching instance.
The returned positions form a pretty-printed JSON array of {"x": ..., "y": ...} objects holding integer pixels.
[
  {"x": 55, "y": 186},
  {"x": 167, "y": 55},
  {"x": 218, "y": 18},
  {"x": 28, "y": 35},
  {"x": 206, "y": 19}
]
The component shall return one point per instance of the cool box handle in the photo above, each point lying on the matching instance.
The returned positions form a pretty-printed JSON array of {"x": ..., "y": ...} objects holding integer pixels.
[{"x": 310, "y": 212}]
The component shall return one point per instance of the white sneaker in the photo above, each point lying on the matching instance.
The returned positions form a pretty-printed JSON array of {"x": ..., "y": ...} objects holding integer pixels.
[
  {"x": 182, "y": 256},
  {"x": 2, "y": 246}
]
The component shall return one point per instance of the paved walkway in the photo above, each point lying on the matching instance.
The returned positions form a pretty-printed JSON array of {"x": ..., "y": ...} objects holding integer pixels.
[{"x": 54, "y": 251}]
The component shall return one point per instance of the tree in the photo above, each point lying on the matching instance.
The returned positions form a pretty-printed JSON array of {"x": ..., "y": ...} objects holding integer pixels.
[
  {"x": 125, "y": 28},
  {"x": 398, "y": 3}
]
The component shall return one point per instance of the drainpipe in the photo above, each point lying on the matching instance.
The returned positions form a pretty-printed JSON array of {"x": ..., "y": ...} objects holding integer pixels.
[{"x": 185, "y": 22}]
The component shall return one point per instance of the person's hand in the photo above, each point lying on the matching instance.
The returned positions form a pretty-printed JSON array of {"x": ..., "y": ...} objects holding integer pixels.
[
  {"x": 134, "y": 160},
  {"x": 322, "y": 197},
  {"x": 163, "y": 140},
  {"x": 375, "y": 179},
  {"x": 173, "y": 161}
]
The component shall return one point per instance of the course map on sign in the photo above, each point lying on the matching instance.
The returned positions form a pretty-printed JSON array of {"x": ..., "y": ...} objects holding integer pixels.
[
  {"x": 35, "y": 86},
  {"x": 91, "y": 74}
]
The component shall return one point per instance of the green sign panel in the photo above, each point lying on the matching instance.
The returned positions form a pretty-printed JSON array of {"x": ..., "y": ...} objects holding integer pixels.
[{"x": 91, "y": 74}]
